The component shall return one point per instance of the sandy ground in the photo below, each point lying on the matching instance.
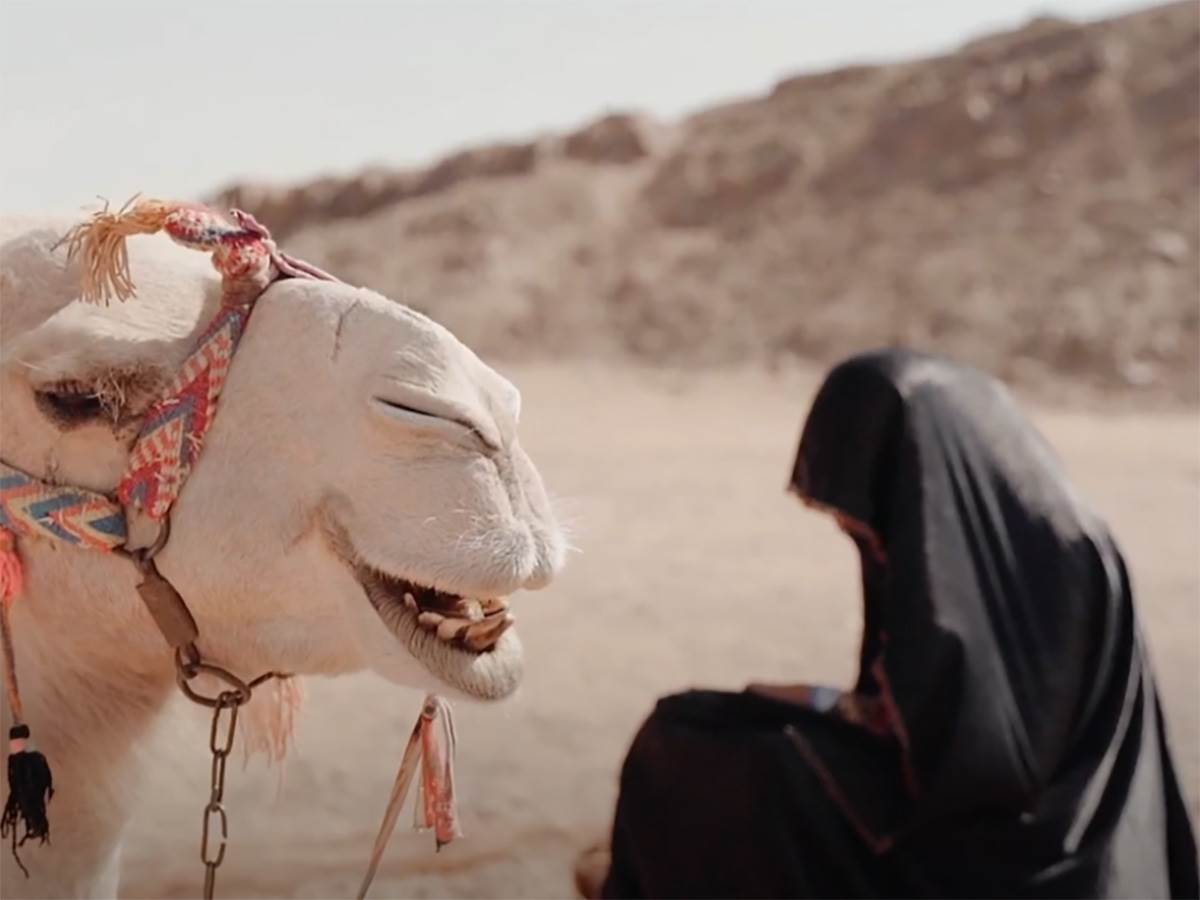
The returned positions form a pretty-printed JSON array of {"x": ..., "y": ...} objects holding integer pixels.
[{"x": 693, "y": 568}]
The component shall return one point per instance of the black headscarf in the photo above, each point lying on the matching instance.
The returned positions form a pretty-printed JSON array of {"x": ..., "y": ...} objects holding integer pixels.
[{"x": 1017, "y": 745}]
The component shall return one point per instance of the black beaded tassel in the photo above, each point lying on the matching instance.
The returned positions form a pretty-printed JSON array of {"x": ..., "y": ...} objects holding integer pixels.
[
  {"x": 30, "y": 783},
  {"x": 30, "y": 787}
]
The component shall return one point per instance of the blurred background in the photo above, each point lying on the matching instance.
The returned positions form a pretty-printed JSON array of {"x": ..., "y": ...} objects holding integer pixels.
[{"x": 662, "y": 220}]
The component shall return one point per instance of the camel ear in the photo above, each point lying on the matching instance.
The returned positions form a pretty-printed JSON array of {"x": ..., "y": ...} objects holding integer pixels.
[{"x": 35, "y": 280}]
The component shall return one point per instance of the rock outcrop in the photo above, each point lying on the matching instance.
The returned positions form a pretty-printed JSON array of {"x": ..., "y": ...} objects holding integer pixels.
[{"x": 1028, "y": 203}]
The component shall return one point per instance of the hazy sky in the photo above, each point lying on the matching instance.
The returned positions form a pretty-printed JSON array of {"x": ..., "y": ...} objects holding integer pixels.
[{"x": 174, "y": 99}]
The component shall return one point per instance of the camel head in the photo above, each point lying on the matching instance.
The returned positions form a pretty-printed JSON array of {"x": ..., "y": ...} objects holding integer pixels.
[{"x": 361, "y": 501}]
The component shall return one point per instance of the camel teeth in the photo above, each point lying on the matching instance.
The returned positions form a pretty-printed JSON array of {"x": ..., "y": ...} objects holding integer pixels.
[
  {"x": 473, "y": 610},
  {"x": 410, "y": 601},
  {"x": 430, "y": 620},
  {"x": 484, "y": 635},
  {"x": 493, "y": 605},
  {"x": 451, "y": 629}
]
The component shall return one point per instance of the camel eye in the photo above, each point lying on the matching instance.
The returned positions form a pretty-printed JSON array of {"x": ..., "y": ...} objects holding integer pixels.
[
  {"x": 70, "y": 402},
  {"x": 445, "y": 422},
  {"x": 404, "y": 408}
]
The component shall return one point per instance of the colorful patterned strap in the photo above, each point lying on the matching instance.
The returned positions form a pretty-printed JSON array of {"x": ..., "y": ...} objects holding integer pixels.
[
  {"x": 30, "y": 507},
  {"x": 248, "y": 260},
  {"x": 173, "y": 432}
]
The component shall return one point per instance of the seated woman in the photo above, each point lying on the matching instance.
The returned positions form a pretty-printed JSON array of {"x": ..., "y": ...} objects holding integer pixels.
[{"x": 1004, "y": 737}]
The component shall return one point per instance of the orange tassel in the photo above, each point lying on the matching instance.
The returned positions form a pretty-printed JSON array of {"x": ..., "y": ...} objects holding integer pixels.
[
  {"x": 100, "y": 243},
  {"x": 12, "y": 576}
]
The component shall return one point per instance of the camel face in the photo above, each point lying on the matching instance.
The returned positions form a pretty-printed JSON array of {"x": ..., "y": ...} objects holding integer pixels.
[{"x": 361, "y": 501}]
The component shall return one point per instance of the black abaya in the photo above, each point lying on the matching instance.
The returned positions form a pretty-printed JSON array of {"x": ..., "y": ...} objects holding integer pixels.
[{"x": 1004, "y": 737}]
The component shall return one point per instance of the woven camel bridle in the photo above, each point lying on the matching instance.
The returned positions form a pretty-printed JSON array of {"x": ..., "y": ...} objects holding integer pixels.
[{"x": 134, "y": 522}]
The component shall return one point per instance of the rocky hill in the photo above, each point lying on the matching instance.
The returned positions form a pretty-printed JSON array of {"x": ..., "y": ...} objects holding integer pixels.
[{"x": 1027, "y": 203}]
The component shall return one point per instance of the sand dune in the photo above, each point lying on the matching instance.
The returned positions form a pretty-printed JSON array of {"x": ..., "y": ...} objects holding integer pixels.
[{"x": 1027, "y": 203}]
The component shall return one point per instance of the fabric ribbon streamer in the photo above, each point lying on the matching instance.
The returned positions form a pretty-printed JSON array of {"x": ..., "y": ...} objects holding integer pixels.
[
  {"x": 435, "y": 807},
  {"x": 431, "y": 746}
]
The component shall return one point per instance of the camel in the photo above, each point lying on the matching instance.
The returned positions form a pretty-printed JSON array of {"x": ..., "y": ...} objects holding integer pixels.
[{"x": 361, "y": 490}]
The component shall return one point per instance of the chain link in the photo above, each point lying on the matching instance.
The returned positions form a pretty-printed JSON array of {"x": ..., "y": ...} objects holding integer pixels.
[
  {"x": 220, "y": 742},
  {"x": 221, "y": 733}
]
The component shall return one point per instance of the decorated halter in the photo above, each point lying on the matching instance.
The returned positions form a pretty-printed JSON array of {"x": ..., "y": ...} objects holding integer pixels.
[{"x": 134, "y": 521}]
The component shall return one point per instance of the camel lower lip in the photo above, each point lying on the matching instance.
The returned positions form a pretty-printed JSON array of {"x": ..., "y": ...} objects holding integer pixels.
[{"x": 486, "y": 675}]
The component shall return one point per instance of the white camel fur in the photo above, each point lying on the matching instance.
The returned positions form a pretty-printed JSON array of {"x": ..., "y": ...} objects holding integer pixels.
[{"x": 358, "y": 448}]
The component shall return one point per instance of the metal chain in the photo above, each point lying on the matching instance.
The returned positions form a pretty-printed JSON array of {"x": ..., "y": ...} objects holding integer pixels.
[
  {"x": 220, "y": 742},
  {"x": 225, "y": 706}
]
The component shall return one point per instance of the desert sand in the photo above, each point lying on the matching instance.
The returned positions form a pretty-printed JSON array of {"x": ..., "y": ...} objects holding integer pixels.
[{"x": 692, "y": 568}]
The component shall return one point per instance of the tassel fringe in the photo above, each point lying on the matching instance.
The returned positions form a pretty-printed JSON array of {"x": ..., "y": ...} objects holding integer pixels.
[
  {"x": 100, "y": 244},
  {"x": 30, "y": 782},
  {"x": 270, "y": 719},
  {"x": 12, "y": 578},
  {"x": 30, "y": 788}
]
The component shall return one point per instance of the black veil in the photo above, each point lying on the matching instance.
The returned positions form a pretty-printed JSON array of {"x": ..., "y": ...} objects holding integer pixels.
[{"x": 1000, "y": 636}]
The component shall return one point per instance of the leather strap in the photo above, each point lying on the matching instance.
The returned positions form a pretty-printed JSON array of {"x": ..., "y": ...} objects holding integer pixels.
[{"x": 166, "y": 607}]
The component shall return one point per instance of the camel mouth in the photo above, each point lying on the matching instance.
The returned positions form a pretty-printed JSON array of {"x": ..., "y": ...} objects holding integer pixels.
[
  {"x": 466, "y": 642},
  {"x": 472, "y": 625}
]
